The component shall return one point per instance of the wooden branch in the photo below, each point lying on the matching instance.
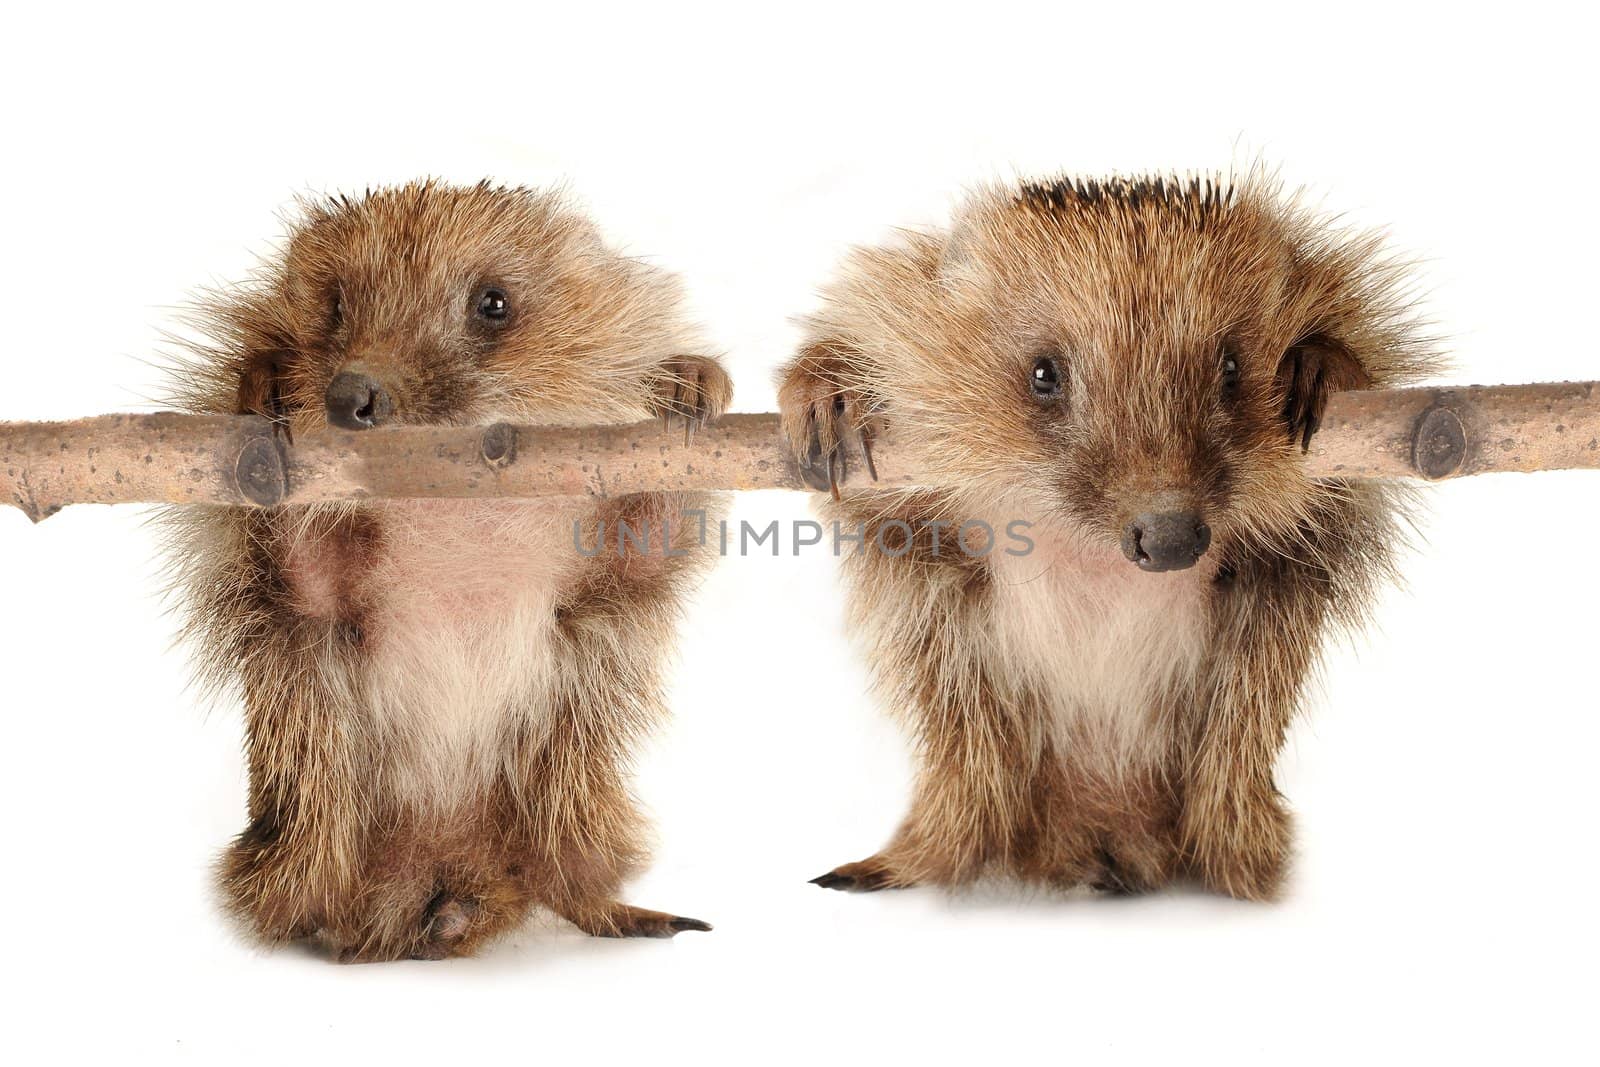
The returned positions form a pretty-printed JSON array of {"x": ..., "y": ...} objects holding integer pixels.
[{"x": 189, "y": 459}]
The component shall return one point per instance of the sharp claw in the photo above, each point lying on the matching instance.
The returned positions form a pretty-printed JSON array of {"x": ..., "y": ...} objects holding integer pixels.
[
  {"x": 813, "y": 478},
  {"x": 835, "y": 463},
  {"x": 1314, "y": 409},
  {"x": 681, "y": 923},
  {"x": 278, "y": 416},
  {"x": 810, "y": 463},
  {"x": 831, "y": 880},
  {"x": 678, "y": 388},
  {"x": 865, "y": 436}
]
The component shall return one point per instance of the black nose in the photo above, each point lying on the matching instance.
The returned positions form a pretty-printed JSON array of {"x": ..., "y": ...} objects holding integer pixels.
[
  {"x": 1166, "y": 540},
  {"x": 358, "y": 402}
]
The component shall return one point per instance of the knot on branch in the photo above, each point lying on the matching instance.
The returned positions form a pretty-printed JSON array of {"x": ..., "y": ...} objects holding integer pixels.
[
  {"x": 500, "y": 445},
  {"x": 1439, "y": 445},
  {"x": 261, "y": 473}
]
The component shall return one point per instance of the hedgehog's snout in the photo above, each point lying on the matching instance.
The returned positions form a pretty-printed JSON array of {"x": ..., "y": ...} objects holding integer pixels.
[
  {"x": 1166, "y": 540},
  {"x": 358, "y": 401}
]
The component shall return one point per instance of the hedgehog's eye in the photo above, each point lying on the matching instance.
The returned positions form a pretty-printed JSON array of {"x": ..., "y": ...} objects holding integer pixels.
[
  {"x": 494, "y": 305},
  {"x": 1045, "y": 378},
  {"x": 336, "y": 309},
  {"x": 1230, "y": 374}
]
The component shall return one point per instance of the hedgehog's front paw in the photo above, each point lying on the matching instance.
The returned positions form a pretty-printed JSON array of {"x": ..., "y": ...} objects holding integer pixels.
[
  {"x": 820, "y": 413},
  {"x": 692, "y": 388}
]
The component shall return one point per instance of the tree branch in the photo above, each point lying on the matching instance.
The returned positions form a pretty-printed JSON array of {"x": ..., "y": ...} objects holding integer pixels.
[{"x": 239, "y": 460}]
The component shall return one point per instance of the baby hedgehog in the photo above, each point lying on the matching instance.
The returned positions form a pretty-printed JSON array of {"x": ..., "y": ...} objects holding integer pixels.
[
  {"x": 441, "y": 695},
  {"x": 1099, "y": 625}
]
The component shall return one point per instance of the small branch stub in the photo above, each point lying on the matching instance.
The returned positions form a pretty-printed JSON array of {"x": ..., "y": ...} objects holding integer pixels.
[
  {"x": 1441, "y": 444},
  {"x": 500, "y": 445},
  {"x": 261, "y": 473},
  {"x": 1452, "y": 433},
  {"x": 241, "y": 460}
]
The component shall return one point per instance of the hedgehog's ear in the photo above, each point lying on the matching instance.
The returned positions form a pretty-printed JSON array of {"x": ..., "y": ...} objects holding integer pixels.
[
  {"x": 959, "y": 253},
  {"x": 1312, "y": 369},
  {"x": 956, "y": 255}
]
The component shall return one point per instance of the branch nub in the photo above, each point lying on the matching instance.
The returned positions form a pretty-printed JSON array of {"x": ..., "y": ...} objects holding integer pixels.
[
  {"x": 500, "y": 445},
  {"x": 1439, "y": 446},
  {"x": 260, "y": 473}
]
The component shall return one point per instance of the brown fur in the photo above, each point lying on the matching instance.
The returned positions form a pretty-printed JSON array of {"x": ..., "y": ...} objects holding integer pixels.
[
  {"x": 442, "y": 696},
  {"x": 1079, "y": 721}
]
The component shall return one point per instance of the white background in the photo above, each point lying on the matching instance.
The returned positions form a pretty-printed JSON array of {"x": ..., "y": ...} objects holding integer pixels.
[{"x": 1443, "y": 777}]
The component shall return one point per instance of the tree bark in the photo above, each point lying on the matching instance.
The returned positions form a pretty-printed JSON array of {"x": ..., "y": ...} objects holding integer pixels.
[{"x": 240, "y": 460}]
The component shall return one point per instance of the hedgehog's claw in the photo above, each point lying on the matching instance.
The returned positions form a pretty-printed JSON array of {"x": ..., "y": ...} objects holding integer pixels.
[
  {"x": 692, "y": 389},
  {"x": 865, "y": 876},
  {"x": 864, "y": 438},
  {"x": 816, "y": 465}
]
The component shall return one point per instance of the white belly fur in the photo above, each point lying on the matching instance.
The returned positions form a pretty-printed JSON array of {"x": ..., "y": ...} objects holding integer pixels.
[
  {"x": 1101, "y": 639},
  {"x": 459, "y": 650}
]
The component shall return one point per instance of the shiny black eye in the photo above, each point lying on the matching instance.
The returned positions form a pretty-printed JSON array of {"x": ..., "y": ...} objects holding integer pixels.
[
  {"x": 1045, "y": 379},
  {"x": 335, "y": 309},
  {"x": 1230, "y": 375},
  {"x": 494, "y": 305}
]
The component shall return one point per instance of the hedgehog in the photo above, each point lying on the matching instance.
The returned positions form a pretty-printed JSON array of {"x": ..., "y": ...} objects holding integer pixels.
[
  {"x": 1129, "y": 370},
  {"x": 441, "y": 696}
]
